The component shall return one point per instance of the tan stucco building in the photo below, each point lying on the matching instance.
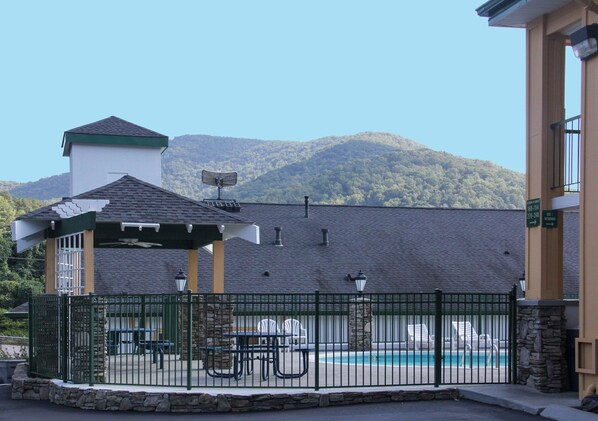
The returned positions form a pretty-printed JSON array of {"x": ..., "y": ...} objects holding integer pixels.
[{"x": 562, "y": 170}]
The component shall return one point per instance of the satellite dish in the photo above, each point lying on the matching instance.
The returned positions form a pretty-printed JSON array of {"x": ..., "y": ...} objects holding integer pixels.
[
  {"x": 131, "y": 242},
  {"x": 218, "y": 179}
]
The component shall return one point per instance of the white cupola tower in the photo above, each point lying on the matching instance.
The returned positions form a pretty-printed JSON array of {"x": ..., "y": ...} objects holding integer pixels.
[{"x": 106, "y": 150}]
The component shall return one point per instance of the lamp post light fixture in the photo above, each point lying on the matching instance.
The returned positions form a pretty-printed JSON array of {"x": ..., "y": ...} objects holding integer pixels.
[
  {"x": 584, "y": 42},
  {"x": 360, "y": 281},
  {"x": 181, "y": 281},
  {"x": 522, "y": 283}
]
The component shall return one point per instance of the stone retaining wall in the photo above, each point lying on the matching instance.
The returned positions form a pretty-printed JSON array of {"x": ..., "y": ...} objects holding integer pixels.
[{"x": 77, "y": 396}]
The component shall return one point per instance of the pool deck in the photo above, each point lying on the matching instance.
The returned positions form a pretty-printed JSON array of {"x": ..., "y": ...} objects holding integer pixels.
[{"x": 141, "y": 370}]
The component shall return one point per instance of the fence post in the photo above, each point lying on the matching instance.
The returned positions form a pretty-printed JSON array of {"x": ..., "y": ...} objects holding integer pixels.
[
  {"x": 189, "y": 339},
  {"x": 91, "y": 339},
  {"x": 64, "y": 341},
  {"x": 317, "y": 340},
  {"x": 513, "y": 334},
  {"x": 30, "y": 322},
  {"x": 439, "y": 338}
]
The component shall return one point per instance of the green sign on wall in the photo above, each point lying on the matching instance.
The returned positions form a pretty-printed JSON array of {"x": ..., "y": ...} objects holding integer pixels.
[
  {"x": 550, "y": 219},
  {"x": 532, "y": 213}
]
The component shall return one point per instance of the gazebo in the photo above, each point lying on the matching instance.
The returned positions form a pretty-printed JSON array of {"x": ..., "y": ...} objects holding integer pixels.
[{"x": 117, "y": 202}]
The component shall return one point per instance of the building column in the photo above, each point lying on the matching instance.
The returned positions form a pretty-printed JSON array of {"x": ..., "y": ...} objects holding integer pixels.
[
  {"x": 545, "y": 105},
  {"x": 88, "y": 265},
  {"x": 587, "y": 344},
  {"x": 192, "y": 266},
  {"x": 541, "y": 321},
  {"x": 50, "y": 266},
  {"x": 218, "y": 267}
]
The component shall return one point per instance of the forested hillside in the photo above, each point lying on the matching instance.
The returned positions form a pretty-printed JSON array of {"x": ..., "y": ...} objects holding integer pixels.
[{"x": 364, "y": 169}]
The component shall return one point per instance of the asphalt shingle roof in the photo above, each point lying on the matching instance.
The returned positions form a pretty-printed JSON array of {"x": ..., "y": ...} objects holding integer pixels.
[
  {"x": 114, "y": 126},
  {"x": 133, "y": 200},
  {"x": 399, "y": 250}
]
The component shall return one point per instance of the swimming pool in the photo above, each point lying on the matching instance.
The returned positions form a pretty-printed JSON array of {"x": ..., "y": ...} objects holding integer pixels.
[{"x": 416, "y": 359}]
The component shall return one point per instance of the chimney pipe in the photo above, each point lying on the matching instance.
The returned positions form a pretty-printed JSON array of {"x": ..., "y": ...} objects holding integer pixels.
[
  {"x": 325, "y": 241},
  {"x": 306, "y": 206},
  {"x": 278, "y": 241}
]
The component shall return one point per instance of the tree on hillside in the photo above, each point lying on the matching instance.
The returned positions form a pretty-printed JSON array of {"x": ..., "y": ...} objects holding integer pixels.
[{"x": 20, "y": 274}]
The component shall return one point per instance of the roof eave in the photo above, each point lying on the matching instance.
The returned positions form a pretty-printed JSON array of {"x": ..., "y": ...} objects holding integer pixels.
[
  {"x": 94, "y": 139},
  {"x": 517, "y": 13}
]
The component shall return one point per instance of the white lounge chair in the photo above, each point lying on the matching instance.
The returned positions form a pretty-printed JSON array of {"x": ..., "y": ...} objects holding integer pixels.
[
  {"x": 297, "y": 331},
  {"x": 419, "y": 337},
  {"x": 466, "y": 335}
]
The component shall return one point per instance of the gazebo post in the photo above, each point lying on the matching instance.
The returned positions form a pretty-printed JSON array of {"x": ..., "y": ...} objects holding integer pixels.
[
  {"x": 88, "y": 262},
  {"x": 50, "y": 265},
  {"x": 218, "y": 267},
  {"x": 192, "y": 266}
]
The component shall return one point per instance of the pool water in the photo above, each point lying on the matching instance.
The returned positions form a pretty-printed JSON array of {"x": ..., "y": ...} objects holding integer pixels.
[{"x": 415, "y": 358}]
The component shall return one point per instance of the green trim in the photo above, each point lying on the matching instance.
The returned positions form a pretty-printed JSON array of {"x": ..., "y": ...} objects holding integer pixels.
[
  {"x": 148, "y": 141},
  {"x": 83, "y": 222}
]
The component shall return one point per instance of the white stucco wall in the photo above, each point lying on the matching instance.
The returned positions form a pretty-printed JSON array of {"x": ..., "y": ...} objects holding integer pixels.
[{"x": 93, "y": 166}]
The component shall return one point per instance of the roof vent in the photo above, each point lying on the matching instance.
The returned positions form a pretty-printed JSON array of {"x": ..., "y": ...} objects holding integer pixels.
[
  {"x": 306, "y": 206},
  {"x": 221, "y": 180},
  {"x": 325, "y": 241},
  {"x": 278, "y": 241}
]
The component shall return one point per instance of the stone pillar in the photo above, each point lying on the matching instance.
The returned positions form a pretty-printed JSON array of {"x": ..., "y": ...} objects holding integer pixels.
[
  {"x": 217, "y": 322},
  {"x": 196, "y": 319},
  {"x": 360, "y": 324},
  {"x": 212, "y": 318},
  {"x": 541, "y": 345}
]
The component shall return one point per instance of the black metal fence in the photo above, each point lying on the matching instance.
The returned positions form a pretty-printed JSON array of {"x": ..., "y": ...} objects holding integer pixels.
[{"x": 271, "y": 340}]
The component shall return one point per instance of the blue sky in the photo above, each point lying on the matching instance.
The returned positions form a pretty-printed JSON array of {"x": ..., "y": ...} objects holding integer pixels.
[{"x": 275, "y": 70}]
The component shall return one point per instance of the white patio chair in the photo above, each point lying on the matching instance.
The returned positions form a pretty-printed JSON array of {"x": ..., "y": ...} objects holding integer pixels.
[
  {"x": 418, "y": 336},
  {"x": 297, "y": 331},
  {"x": 267, "y": 326},
  {"x": 466, "y": 335}
]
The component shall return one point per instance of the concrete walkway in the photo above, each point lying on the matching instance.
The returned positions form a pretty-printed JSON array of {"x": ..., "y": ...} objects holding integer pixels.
[{"x": 554, "y": 406}]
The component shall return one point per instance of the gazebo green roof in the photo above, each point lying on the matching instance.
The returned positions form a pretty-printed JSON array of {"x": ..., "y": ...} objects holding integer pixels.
[{"x": 113, "y": 131}]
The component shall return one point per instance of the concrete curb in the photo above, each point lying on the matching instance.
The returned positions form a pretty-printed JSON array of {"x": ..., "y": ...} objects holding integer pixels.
[
  {"x": 517, "y": 405},
  {"x": 565, "y": 413}
]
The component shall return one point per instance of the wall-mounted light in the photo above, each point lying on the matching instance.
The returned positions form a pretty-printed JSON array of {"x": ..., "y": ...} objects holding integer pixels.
[
  {"x": 360, "y": 281},
  {"x": 522, "y": 283},
  {"x": 584, "y": 42}
]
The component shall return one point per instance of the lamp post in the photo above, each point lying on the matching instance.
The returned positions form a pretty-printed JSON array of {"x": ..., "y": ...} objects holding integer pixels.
[
  {"x": 360, "y": 281},
  {"x": 522, "y": 284},
  {"x": 360, "y": 316},
  {"x": 181, "y": 281}
]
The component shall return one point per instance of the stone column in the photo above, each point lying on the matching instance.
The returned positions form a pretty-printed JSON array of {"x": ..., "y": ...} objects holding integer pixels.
[
  {"x": 212, "y": 318},
  {"x": 360, "y": 324},
  {"x": 196, "y": 320},
  {"x": 217, "y": 311},
  {"x": 541, "y": 345}
]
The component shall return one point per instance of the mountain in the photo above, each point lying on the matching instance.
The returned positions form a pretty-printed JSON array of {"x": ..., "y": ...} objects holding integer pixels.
[
  {"x": 54, "y": 187},
  {"x": 377, "y": 169}
]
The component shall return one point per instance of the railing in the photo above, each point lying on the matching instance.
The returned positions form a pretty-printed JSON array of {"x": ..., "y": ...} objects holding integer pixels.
[
  {"x": 338, "y": 340},
  {"x": 566, "y": 137}
]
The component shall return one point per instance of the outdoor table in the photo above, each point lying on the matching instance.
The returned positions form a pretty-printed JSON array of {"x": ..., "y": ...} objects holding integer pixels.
[
  {"x": 157, "y": 347},
  {"x": 272, "y": 346},
  {"x": 245, "y": 355}
]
